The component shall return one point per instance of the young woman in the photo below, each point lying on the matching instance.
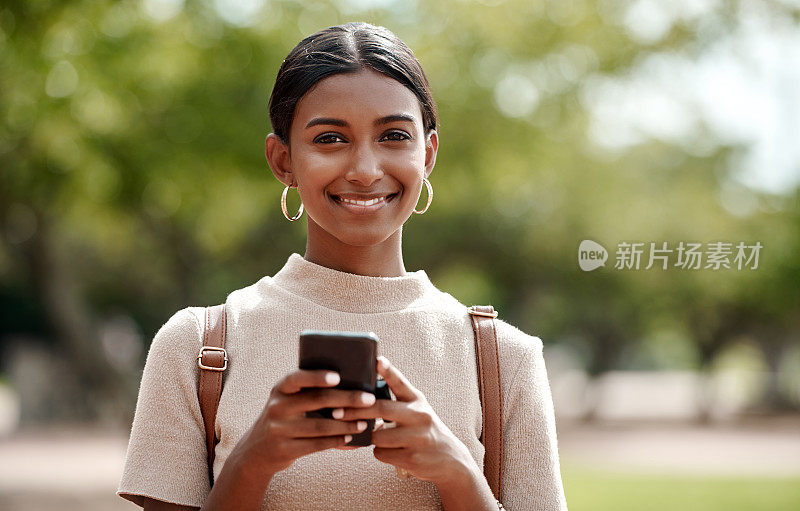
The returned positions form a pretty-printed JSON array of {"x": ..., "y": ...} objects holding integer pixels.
[{"x": 355, "y": 133}]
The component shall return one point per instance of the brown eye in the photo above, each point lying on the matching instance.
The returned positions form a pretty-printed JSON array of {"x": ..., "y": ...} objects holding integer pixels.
[
  {"x": 328, "y": 138},
  {"x": 397, "y": 136}
]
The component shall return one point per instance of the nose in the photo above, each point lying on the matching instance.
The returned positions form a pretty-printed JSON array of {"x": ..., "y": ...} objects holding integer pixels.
[{"x": 365, "y": 168}]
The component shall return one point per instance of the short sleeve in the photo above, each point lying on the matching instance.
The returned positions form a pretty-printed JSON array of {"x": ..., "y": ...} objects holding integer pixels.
[
  {"x": 166, "y": 457},
  {"x": 531, "y": 468}
]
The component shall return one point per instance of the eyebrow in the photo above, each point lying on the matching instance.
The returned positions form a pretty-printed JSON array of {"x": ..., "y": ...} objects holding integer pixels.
[{"x": 330, "y": 121}]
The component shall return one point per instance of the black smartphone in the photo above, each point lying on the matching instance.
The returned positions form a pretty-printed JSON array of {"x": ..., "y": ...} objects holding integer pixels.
[{"x": 354, "y": 356}]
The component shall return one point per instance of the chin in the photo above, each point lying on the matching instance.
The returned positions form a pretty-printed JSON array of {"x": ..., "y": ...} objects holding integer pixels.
[{"x": 363, "y": 239}]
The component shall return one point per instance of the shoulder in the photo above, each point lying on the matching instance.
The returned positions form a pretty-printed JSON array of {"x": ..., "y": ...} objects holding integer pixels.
[
  {"x": 170, "y": 371},
  {"x": 182, "y": 333},
  {"x": 519, "y": 353},
  {"x": 251, "y": 296},
  {"x": 522, "y": 367},
  {"x": 515, "y": 341},
  {"x": 512, "y": 341},
  {"x": 516, "y": 348},
  {"x": 179, "y": 337},
  {"x": 187, "y": 322}
]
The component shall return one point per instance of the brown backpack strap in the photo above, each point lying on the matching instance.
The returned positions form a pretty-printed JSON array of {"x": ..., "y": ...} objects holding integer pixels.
[
  {"x": 491, "y": 392},
  {"x": 213, "y": 360}
]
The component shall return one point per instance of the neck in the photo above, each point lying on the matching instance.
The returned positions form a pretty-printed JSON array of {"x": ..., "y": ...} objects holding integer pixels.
[{"x": 384, "y": 259}]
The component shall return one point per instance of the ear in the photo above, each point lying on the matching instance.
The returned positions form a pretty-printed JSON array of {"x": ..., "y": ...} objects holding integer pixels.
[
  {"x": 431, "y": 147},
  {"x": 279, "y": 159}
]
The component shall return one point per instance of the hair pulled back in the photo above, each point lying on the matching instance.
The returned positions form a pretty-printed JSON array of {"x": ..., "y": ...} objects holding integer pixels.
[{"x": 346, "y": 48}]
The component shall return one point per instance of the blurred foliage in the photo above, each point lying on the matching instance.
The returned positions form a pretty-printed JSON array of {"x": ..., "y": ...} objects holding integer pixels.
[{"x": 133, "y": 178}]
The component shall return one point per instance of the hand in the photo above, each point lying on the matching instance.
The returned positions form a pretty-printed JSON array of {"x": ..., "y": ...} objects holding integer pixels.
[
  {"x": 420, "y": 442},
  {"x": 282, "y": 433}
]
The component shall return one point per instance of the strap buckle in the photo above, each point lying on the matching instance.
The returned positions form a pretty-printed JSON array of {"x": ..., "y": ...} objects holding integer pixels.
[
  {"x": 212, "y": 368},
  {"x": 475, "y": 312}
]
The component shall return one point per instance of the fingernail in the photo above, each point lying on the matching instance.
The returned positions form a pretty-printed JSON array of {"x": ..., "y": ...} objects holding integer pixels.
[
  {"x": 361, "y": 425},
  {"x": 367, "y": 398},
  {"x": 338, "y": 413},
  {"x": 382, "y": 363},
  {"x": 332, "y": 378},
  {"x": 348, "y": 438}
]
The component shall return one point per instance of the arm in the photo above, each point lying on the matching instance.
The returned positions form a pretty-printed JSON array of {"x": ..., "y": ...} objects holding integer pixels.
[
  {"x": 238, "y": 487},
  {"x": 235, "y": 489},
  {"x": 469, "y": 491},
  {"x": 531, "y": 469},
  {"x": 166, "y": 458},
  {"x": 158, "y": 505}
]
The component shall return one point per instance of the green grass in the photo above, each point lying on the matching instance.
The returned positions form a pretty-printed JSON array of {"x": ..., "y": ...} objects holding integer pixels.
[{"x": 598, "y": 491}]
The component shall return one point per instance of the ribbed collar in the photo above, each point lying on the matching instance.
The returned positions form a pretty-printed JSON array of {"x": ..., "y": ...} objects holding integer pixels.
[{"x": 349, "y": 292}]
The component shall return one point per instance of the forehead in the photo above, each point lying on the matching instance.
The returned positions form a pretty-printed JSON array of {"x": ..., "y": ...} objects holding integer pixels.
[{"x": 363, "y": 95}]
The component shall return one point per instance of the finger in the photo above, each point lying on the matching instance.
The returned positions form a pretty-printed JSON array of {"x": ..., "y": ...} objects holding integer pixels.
[
  {"x": 302, "y": 378},
  {"x": 314, "y": 399},
  {"x": 395, "y": 437},
  {"x": 389, "y": 411},
  {"x": 399, "y": 385},
  {"x": 316, "y": 427},
  {"x": 396, "y": 457}
]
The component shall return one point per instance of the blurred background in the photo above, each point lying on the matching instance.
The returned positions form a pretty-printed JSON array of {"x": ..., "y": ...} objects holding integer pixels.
[{"x": 133, "y": 184}]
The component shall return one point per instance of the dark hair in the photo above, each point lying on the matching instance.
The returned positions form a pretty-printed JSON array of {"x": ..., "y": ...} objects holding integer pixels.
[{"x": 346, "y": 48}]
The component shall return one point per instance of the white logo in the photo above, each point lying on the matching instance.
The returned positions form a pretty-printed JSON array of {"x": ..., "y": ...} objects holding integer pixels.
[{"x": 591, "y": 255}]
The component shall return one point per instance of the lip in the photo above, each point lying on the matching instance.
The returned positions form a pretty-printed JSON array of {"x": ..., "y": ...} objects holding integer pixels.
[{"x": 364, "y": 210}]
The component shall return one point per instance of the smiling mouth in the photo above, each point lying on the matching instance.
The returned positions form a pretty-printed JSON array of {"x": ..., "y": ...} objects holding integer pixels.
[{"x": 364, "y": 206}]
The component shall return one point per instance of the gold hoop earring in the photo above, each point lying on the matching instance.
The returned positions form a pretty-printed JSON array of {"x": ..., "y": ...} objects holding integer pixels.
[
  {"x": 430, "y": 196},
  {"x": 286, "y": 211}
]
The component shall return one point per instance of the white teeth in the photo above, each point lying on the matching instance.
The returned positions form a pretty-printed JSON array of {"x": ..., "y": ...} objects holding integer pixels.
[{"x": 363, "y": 202}]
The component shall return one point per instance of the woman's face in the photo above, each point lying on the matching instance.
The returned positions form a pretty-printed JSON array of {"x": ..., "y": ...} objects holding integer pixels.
[{"x": 356, "y": 137}]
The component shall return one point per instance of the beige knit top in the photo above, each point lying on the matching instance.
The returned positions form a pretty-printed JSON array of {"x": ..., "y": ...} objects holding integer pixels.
[{"x": 426, "y": 333}]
